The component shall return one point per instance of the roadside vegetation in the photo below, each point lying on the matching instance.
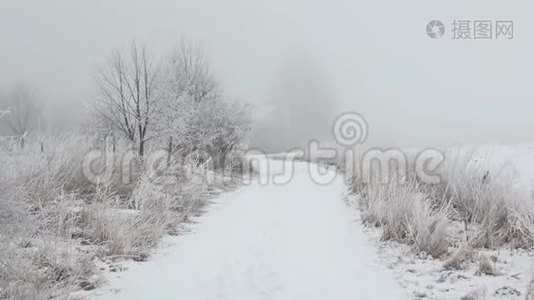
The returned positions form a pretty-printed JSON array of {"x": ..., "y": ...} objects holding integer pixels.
[
  {"x": 474, "y": 196},
  {"x": 473, "y": 213},
  {"x": 65, "y": 217}
]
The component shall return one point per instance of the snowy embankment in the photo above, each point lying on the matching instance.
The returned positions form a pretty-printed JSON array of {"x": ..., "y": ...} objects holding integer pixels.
[
  {"x": 292, "y": 241},
  {"x": 489, "y": 258}
]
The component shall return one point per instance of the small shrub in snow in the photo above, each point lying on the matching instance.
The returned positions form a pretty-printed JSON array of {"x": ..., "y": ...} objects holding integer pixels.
[
  {"x": 428, "y": 228},
  {"x": 485, "y": 266},
  {"x": 52, "y": 269},
  {"x": 459, "y": 257},
  {"x": 405, "y": 215},
  {"x": 483, "y": 197}
]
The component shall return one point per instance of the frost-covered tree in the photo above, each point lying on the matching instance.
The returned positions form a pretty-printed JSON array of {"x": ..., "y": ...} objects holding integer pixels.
[
  {"x": 189, "y": 75},
  {"x": 25, "y": 114},
  {"x": 128, "y": 100},
  {"x": 197, "y": 116},
  {"x": 214, "y": 127},
  {"x": 179, "y": 104}
]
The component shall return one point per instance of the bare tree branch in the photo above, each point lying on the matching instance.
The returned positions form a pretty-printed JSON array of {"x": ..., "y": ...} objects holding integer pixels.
[{"x": 127, "y": 94}]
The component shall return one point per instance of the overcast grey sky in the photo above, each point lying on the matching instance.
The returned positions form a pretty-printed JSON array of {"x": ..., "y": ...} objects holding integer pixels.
[{"x": 413, "y": 90}]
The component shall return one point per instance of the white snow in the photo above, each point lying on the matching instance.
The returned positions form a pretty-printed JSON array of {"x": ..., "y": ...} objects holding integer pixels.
[
  {"x": 426, "y": 278},
  {"x": 296, "y": 241}
]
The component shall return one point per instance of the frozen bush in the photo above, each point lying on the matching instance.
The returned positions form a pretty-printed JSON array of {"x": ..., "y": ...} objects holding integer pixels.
[
  {"x": 483, "y": 196},
  {"x": 473, "y": 191},
  {"x": 405, "y": 214},
  {"x": 458, "y": 258},
  {"x": 485, "y": 266},
  {"x": 428, "y": 228},
  {"x": 50, "y": 270}
]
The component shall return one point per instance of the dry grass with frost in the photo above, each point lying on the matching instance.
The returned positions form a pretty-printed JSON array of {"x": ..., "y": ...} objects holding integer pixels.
[{"x": 54, "y": 223}]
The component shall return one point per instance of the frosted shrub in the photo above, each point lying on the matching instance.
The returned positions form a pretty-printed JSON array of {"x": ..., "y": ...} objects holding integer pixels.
[
  {"x": 406, "y": 215},
  {"x": 428, "y": 228},
  {"x": 483, "y": 196},
  {"x": 472, "y": 191}
]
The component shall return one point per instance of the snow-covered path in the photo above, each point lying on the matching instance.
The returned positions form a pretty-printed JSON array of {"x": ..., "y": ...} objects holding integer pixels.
[{"x": 296, "y": 241}]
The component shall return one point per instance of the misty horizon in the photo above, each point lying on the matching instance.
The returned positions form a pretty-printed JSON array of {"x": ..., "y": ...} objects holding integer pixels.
[{"x": 374, "y": 59}]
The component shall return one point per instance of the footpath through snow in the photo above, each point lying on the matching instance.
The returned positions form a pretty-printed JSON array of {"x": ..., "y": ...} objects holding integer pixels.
[{"x": 295, "y": 241}]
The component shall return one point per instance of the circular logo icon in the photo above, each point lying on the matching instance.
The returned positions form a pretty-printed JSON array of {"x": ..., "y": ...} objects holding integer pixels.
[
  {"x": 435, "y": 29},
  {"x": 350, "y": 129}
]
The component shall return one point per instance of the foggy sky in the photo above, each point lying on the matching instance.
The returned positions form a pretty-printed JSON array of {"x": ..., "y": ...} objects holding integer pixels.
[{"x": 375, "y": 54}]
